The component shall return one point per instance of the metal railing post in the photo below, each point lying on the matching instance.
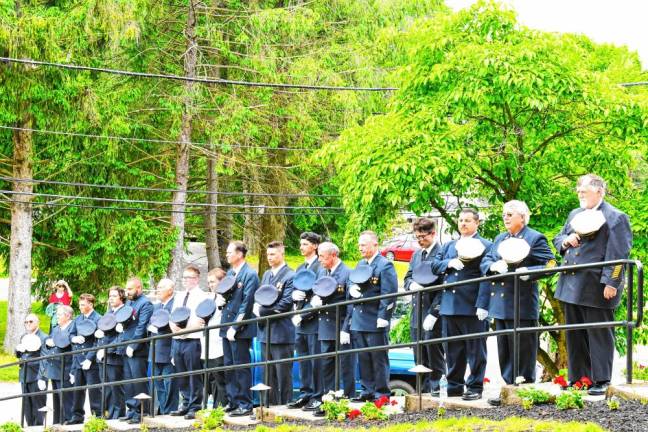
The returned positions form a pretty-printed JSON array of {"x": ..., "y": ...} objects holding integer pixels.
[
  {"x": 61, "y": 404},
  {"x": 153, "y": 389},
  {"x": 629, "y": 325},
  {"x": 205, "y": 366},
  {"x": 266, "y": 367},
  {"x": 419, "y": 332},
  {"x": 104, "y": 362},
  {"x": 337, "y": 348},
  {"x": 516, "y": 324}
]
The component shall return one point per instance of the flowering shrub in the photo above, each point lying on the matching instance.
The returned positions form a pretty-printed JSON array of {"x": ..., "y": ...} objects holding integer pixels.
[
  {"x": 569, "y": 399},
  {"x": 380, "y": 409},
  {"x": 533, "y": 396},
  {"x": 336, "y": 409}
]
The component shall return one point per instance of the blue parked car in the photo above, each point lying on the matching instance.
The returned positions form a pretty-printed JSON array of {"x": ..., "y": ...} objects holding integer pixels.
[{"x": 401, "y": 380}]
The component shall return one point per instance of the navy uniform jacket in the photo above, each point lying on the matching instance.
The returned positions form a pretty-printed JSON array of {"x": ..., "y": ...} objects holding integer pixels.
[
  {"x": 461, "y": 300},
  {"x": 53, "y": 367},
  {"x": 309, "y": 321},
  {"x": 142, "y": 311},
  {"x": 239, "y": 305},
  {"x": 33, "y": 371},
  {"x": 282, "y": 330},
  {"x": 430, "y": 300},
  {"x": 326, "y": 329},
  {"x": 364, "y": 316},
  {"x": 90, "y": 341},
  {"x": 611, "y": 242},
  {"x": 540, "y": 256},
  {"x": 163, "y": 347},
  {"x": 114, "y": 356}
]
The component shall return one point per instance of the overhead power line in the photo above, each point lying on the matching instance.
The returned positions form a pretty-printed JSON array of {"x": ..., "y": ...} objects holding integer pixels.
[
  {"x": 166, "y": 203},
  {"x": 148, "y": 209},
  {"x": 149, "y": 140},
  {"x": 148, "y": 189},
  {"x": 198, "y": 79}
]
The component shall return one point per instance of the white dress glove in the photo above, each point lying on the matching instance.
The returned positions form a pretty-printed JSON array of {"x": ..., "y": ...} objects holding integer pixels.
[
  {"x": 456, "y": 264},
  {"x": 100, "y": 354},
  {"x": 172, "y": 361},
  {"x": 99, "y": 334},
  {"x": 71, "y": 379},
  {"x": 499, "y": 267},
  {"x": 129, "y": 351},
  {"x": 231, "y": 334},
  {"x": 428, "y": 322},
  {"x": 345, "y": 338},
  {"x": 381, "y": 323},
  {"x": 482, "y": 314},
  {"x": 42, "y": 385},
  {"x": 298, "y": 295},
  {"x": 77, "y": 339},
  {"x": 355, "y": 291},
  {"x": 49, "y": 342},
  {"x": 296, "y": 320},
  {"x": 85, "y": 364},
  {"x": 152, "y": 329},
  {"x": 119, "y": 328},
  {"x": 256, "y": 310},
  {"x": 220, "y": 300},
  {"x": 20, "y": 348},
  {"x": 523, "y": 269},
  {"x": 316, "y": 301},
  {"x": 415, "y": 286}
]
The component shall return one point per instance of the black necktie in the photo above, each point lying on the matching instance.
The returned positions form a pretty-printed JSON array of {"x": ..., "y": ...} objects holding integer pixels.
[
  {"x": 424, "y": 255},
  {"x": 184, "y": 303},
  {"x": 306, "y": 266}
]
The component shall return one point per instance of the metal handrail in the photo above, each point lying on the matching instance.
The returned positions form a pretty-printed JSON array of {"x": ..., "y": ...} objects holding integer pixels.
[{"x": 629, "y": 323}]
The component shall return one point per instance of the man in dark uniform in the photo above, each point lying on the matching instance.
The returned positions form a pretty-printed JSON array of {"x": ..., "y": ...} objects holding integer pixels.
[
  {"x": 114, "y": 395},
  {"x": 332, "y": 266},
  {"x": 32, "y": 374},
  {"x": 166, "y": 388},
  {"x": 187, "y": 347},
  {"x": 592, "y": 295},
  {"x": 237, "y": 339},
  {"x": 458, "y": 308},
  {"x": 369, "y": 321},
  {"x": 57, "y": 343},
  {"x": 431, "y": 354},
  {"x": 306, "y": 342},
  {"x": 135, "y": 362},
  {"x": 500, "y": 307},
  {"x": 282, "y": 330},
  {"x": 85, "y": 368}
]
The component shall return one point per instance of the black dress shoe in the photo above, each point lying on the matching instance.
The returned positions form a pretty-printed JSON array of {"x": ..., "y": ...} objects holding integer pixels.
[
  {"x": 312, "y": 405},
  {"x": 229, "y": 408},
  {"x": 435, "y": 393},
  {"x": 179, "y": 412},
  {"x": 319, "y": 412},
  {"x": 494, "y": 401},
  {"x": 298, "y": 403},
  {"x": 133, "y": 420},
  {"x": 598, "y": 389},
  {"x": 362, "y": 398},
  {"x": 73, "y": 422},
  {"x": 240, "y": 412},
  {"x": 471, "y": 395},
  {"x": 124, "y": 418},
  {"x": 191, "y": 415}
]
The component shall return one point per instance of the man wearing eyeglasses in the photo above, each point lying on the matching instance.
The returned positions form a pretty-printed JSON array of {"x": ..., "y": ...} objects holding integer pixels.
[
  {"x": 188, "y": 347},
  {"x": 592, "y": 295},
  {"x": 431, "y": 354},
  {"x": 32, "y": 375},
  {"x": 516, "y": 217}
]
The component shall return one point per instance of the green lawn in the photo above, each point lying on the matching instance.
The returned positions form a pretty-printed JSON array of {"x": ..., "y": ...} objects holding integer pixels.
[{"x": 11, "y": 373}]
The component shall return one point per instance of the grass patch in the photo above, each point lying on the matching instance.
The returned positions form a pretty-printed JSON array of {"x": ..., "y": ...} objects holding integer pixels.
[
  {"x": 10, "y": 374},
  {"x": 463, "y": 424}
]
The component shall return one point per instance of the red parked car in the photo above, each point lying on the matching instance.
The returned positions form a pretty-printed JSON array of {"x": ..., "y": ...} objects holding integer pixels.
[{"x": 400, "y": 248}]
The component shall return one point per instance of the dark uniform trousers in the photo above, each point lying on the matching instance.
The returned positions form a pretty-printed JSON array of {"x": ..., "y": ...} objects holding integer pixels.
[
  {"x": 187, "y": 358},
  {"x": 280, "y": 374},
  {"x": 528, "y": 349},
  {"x": 114, "y": 395},
  {"x": 85, "y": 377},
  {"x": 135, "y": 367},
  {"x": 166, "y": 389},
  {"x": 471, "y": 352},
  {"x": 67, "y": 401},
  {"x": 431, "y": 356},
  {"x": 347, "y": 369},
  {"x": 309, "y": 370},
  {"x": 589, "y": 344},
  {"x": 238, "y": 381},
  {"x": 216, "y": 386},
  {"x": 31, "y": 404},
  {"x": 374, "y": 365}
]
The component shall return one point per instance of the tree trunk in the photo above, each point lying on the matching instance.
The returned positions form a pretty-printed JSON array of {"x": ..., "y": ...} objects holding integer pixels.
[
  {"x": 20, "y": 268},
  {"x": 182, "y": 159},
  {"x": 211, "y": 237}
]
